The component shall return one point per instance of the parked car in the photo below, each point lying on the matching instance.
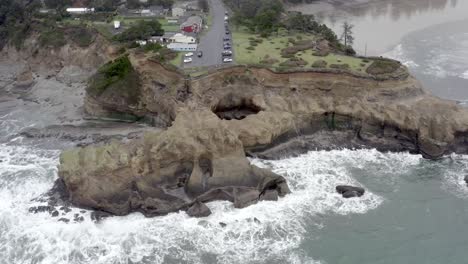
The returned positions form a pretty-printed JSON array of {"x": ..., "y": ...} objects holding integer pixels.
[
  {"x": 187, "y": 60},
  {"x": 226, "y": 39},
  {"x": 227, "y": 48},
  {"x": 228, "y": 32},
  {"x": 227, "y": 52},
  {"x": 227, "y": 60},
  {"x": 190, "y": 54},
  {"x": 200, "y": 54}
]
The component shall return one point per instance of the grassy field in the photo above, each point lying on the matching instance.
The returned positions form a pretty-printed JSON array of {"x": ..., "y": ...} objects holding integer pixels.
[
  {"x": 177, "y": 61},
  {"x": 271, "y": 48}
]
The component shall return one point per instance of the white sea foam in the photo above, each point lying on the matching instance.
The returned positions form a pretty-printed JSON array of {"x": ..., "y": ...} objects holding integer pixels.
[
  {"x": 454, "y": 172},
  {"x": 398, "y": 53},
  {"x": 268, "y": 232}
]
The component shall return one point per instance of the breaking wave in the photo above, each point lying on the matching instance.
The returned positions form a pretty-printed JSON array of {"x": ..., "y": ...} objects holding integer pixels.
[{"x": 268, "y": 232}]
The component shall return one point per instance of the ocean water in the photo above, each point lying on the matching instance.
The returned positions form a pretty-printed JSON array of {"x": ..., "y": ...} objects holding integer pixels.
[{"x": 411, "y": 205}]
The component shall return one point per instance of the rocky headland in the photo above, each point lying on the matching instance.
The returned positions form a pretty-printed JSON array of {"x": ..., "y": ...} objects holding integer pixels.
[
  {"x": 214, "y": 121},
  {"x": 203, "y": 129}
]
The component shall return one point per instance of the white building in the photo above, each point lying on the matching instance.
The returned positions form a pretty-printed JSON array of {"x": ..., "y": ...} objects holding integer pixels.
[
  {"x": 116, "y": 24},
  {"x": 79, "y": 10},
  {"x": 141, "y": 42},
  {"x": 182, "y": 46},
  {"x": 181, "y": 38},
  {"x": 177, "y": 12}
]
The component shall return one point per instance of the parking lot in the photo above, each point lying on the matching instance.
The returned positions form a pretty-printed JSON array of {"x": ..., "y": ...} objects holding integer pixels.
[{"x": 214, "y": 42}]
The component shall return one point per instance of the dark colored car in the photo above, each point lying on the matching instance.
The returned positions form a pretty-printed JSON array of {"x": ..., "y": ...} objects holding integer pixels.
[
  {"x": 228, "y": 32},
  {"x": 200, "y": 54},
  {"x": 227, "y": 48},
  {"x": 226, "y": 39}
]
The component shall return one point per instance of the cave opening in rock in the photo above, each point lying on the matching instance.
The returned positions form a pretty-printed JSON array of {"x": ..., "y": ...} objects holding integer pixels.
[{"x": 234, "y": 108}]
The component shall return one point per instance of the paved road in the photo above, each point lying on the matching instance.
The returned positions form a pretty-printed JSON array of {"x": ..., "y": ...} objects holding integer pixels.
[{"x": 211, "y": 42}]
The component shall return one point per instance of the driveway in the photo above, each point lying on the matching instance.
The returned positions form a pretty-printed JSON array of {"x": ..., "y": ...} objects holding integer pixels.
[{"x": 211, "y": 42}]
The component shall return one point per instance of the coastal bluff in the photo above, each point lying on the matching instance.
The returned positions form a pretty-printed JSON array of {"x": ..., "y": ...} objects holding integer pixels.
[{"x": 216, "y": 120}]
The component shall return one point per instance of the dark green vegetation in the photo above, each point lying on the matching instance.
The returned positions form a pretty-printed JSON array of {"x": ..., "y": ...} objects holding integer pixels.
[
  {"x": 141, "y": 30},
  {"x": 383, "y": 66},
  {"x": 20, "y": 19},
  {"x": 116, "y": 79},
  {"x": 56, "y": 37},
  {"x": 16, "y": 21},
  {"x": 268, "y": 17}
]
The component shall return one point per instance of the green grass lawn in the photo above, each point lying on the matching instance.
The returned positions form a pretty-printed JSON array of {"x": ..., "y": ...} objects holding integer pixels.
[
  {"x": 273, "y": 45},
  {"x": 177, "y": 61},
  {"x": 104, "y": 29}
]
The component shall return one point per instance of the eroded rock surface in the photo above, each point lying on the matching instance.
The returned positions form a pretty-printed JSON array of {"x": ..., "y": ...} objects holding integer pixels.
[{"x": 197, "y": 160}]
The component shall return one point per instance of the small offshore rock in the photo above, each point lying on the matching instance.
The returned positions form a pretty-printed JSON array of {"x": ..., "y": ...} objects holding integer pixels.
[
  {"x": 466, "y": 179},
  {"x": 40, "y": 209},
  {"x": 199, "y": 209},
  {"x": 256, "y": 220},
  {"x": 65, "y": 220},
  {"x": 55, "y": 213},
  {"x": 222, "y": 224},
  {"x": 349, "y": 191},
  {"x": 65, "y": 209}
]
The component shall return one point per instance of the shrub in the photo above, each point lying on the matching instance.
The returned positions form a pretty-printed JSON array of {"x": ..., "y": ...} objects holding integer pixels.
[
  {"x": 319, "y": 64},
  {"x": 53, "y": 37},
  {"x": 250, "y": 48},
  {"x": 81, "y": 35},
  {"x": 294, "y": 62},
  {"x": 339, "y": 66},
  {"x": 321, "y": 53},
  {"x": 383, "y": 66}
]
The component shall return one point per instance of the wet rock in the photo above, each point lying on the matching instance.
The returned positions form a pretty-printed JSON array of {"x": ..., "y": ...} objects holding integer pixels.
[
  {"x": 269, "y": 195},
  {"x": 40, "y": 209},
  {"x": 222, "y": 224},
  {"x": 55, "y": 213},
  {"x": 244, "y": 198},
  {"x": 78, "y": 218},
  {"x": 65, "y": 209},
  {"x": 97, "y": 216},
  {"x": 65, "y": 220},
  {"x": 25, "y": 79},
  {"x": 199, "y": 209},
  {"x": 349, "y": 191},
  {"x": 466, "y": 179},
  {"x": 257, "y": 221}
]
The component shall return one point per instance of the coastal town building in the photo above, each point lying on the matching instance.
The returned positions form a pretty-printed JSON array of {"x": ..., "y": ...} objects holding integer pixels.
[
  {"x": 193, "y": 24},
  {"x": 178, "y": 11},
  {"x": 181, "y": 38},
  {"x": 79, "y": 10},
  {"x": 183, "y": 46}
]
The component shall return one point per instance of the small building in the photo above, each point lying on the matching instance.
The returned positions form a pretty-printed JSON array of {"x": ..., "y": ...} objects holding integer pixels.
[
  {"x": 166, "y": 38},
  {"x": 193, "y": 24},
  {"x": 116, "y": 24},
  {"x": 146, "y": 12},
  {"x": 79, "y": 10},
  {"x": 183, "y": 46},
  {"x": 181, "y": 38},
  {"x": 178, "y": 11}
]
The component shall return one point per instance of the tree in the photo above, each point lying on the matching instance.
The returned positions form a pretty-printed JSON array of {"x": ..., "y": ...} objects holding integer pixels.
[
  {"x": 347, "y": 35},
  {"x": 203, "y": 4},
  {"x": 140, "y": 31}
]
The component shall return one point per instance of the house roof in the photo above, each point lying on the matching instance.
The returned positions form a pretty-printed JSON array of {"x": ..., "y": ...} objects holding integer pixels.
[{"x": 192, "y": 20}]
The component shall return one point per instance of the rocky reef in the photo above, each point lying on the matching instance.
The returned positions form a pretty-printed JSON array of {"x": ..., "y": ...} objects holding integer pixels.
[{"x": 214, "y": 120}]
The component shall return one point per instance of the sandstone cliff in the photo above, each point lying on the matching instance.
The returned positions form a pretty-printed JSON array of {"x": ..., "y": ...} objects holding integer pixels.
[
  {"x": 216, "y": 118},
  {"x": 195, "y": 161}
]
